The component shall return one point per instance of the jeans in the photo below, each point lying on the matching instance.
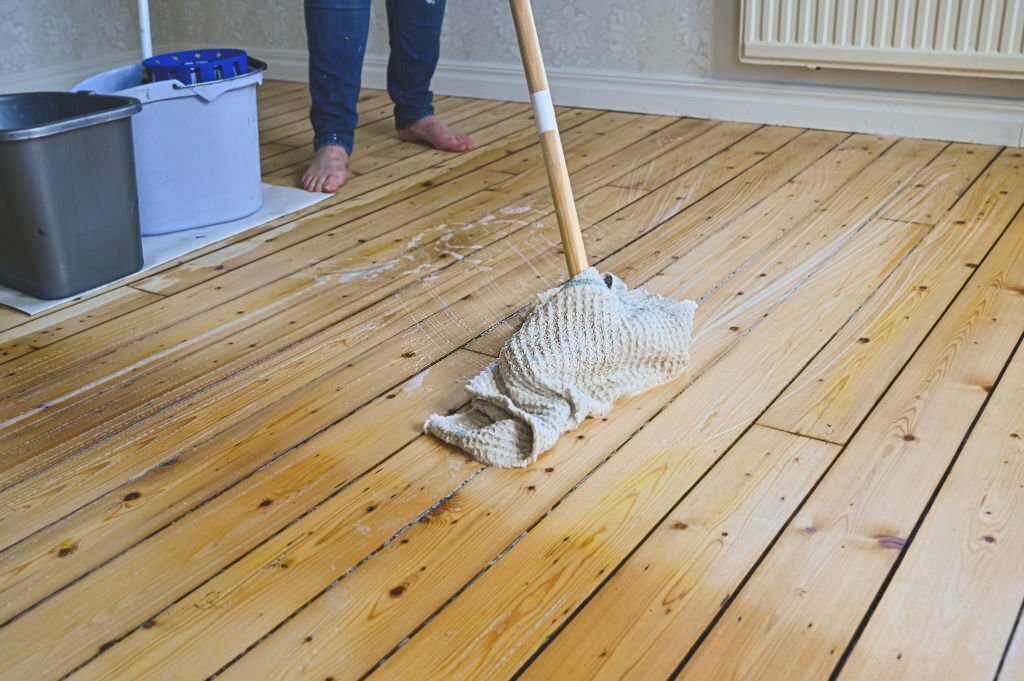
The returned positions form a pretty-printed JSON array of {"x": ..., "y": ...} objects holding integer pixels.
[{"x": 336, "y": 31}]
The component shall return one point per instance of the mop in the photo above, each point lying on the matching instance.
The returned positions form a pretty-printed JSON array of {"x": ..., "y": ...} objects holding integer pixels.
[{"x": 583, "y": 345}]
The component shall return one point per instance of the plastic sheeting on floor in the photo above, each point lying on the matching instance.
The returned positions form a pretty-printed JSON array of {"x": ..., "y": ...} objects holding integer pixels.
[{"x": 162, "y": 248}]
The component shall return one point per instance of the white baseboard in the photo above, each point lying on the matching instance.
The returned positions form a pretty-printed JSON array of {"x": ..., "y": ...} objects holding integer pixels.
[
  {"x": 64, "y": 76},
  {"x": 981, "y": 120}
]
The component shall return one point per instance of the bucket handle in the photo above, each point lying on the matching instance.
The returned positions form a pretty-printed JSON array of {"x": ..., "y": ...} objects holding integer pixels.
[{"x": 211, "y": 91}]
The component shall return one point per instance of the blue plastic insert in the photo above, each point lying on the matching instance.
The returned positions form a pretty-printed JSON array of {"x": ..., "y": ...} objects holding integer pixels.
[{"x": 193, "y": 67}]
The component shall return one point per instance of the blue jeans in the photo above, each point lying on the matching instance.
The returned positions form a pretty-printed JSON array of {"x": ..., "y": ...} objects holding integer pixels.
[{"x": 336, "y": 31}]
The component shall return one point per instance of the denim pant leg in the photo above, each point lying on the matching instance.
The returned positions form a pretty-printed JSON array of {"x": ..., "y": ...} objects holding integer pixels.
[
  {"x": 414, "y": 30},
  {"x": 336, "y": 32}
]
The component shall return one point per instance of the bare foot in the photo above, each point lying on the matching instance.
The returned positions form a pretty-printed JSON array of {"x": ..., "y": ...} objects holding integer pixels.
[
  {"x": 436, "y": 134},
  {"x": 328, "y": 171}
]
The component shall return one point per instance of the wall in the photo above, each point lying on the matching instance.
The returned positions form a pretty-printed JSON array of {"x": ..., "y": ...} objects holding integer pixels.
[
  {"x": 276, "y": 24},
  {"x": 656, "y": 36},
  {"x": 53, "y": 43}
]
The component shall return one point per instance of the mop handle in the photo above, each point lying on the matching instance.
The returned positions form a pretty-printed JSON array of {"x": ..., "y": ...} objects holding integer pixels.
[
  {"x": 145, "y": 37},
  {"x": 550, "y": 142}
]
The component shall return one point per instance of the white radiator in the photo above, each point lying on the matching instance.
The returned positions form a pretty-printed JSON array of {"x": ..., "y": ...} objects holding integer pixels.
[{"x": 965, "y": 37}]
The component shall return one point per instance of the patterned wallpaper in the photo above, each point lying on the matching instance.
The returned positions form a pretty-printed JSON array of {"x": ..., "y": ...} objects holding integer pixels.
[
  {"x": 36, "y": 34},
  {"x": 655, "y": 36}
]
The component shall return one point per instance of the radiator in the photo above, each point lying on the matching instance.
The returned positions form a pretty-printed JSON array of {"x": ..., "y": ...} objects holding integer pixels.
[{"x": 963, "y": 37}]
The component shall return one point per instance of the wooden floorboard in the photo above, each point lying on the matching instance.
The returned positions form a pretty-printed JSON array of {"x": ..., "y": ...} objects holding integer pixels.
[
  {"x": 1012, "y": 664},
  {"x": 954, "y": 599},
  {"x": 380, "y": 509},
  {"x": 171, "y": 366},
  {"x": 554, "y": 569},
  {"x": 226, "y": 291},
  {"x": 830, "y": 398},
  {"x": 224, "y": 455}
]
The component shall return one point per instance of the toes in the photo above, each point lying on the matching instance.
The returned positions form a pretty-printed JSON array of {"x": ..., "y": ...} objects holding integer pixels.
[
  {"x": 437, "y": 135},
  {"x": 452, "y": 142},
  {"x": 334, "y": 181}
]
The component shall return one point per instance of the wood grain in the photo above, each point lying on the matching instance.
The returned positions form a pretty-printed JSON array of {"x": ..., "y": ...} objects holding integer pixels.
[
  {"x": 223, "y": 456},
  {"x": 954, "y": 600},
  {"x": 505, "y": 614},
  {"x": 598, "y": 449},
  {"x": 482, "y": 304},
  {"x": 832, "y": 396},
  {"x": 813, "y": 588},
  {"x": 399, "y": 344},
  {"x": 9, "y": 318},
  {"x": 332, "y": 317},
  {"x": 313, "y": 472},
  {"x": 309, "y": 267},
  {"x": 664, "y": 596},
  {"x": 1013, "y": 660},
  {"x": 456, "y": 553},
  {"x": 366, "y": 191},
  {"x": 39, "y": 331},
  {"x": 942, "y": 184}
]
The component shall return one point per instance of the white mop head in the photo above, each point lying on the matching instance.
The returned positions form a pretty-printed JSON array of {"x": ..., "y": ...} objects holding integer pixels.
[{"x": 583, "y": 346}]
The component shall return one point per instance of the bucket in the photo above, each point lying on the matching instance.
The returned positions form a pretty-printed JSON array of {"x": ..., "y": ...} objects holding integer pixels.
[
  {"x": 197, "y": 149},
  {"x": 69, "y": 216}
]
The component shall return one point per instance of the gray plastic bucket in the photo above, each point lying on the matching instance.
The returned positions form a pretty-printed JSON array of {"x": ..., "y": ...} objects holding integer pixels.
[
  {"x": 69, "y": 217},
  {"x": 197, "y": 147}
]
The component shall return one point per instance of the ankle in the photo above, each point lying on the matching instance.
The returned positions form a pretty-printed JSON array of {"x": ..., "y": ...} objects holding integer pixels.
[{"x": 332, "y": 150}]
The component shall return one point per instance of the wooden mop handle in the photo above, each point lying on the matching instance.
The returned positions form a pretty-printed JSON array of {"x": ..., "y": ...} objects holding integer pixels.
[{"x": 550, "y": 142}]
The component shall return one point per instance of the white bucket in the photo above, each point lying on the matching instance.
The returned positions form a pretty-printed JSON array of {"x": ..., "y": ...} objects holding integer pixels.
[{"x": 197, "y": 147}]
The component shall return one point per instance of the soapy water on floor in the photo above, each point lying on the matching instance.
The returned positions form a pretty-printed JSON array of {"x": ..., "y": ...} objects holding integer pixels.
[
  {"x": 416, "y": 382},
  {"x": 443, "y": 245},
  {"x": 427, "y": 254}
]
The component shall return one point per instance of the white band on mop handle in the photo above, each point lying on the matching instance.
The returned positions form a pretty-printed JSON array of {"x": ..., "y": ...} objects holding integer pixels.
[{"x": 544, "y": 111}]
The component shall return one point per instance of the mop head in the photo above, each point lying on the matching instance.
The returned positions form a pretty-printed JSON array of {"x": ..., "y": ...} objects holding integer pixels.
[{"x": 583, "y": 346}]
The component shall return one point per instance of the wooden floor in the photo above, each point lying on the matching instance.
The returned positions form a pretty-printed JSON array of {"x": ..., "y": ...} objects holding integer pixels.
[{"x": 217, "y": 469}]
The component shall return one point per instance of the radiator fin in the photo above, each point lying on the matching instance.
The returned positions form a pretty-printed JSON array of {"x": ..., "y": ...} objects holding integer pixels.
[{"x": 964, "y": 37}]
